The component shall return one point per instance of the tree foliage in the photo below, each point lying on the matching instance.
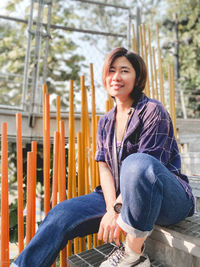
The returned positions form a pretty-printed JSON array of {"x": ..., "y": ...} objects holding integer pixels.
[
  {"x": 12, "y": 55},
  {"x": 188, "y": 13},
  {"x": 64, "y": 62},
  {"x": 113, "y": 20}
]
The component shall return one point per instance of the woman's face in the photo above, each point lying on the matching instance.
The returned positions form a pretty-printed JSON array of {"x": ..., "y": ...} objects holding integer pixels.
[{"x": 120, "y": 80}]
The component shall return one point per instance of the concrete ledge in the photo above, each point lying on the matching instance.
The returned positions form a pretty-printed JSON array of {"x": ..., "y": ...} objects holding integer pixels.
[
  {"x": 184, "y": 235},
  {"x": 177, "y": 245},
  {"x": 195, "y": 184},
  {"x": 190, "y": 162}
]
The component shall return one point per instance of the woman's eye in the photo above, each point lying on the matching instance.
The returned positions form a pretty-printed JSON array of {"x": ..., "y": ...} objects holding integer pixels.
[{"x": 111, "y": 70}]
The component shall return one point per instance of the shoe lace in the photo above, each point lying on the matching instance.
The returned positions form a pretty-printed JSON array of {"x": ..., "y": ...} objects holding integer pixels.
[{"x": 116, "y": 255}]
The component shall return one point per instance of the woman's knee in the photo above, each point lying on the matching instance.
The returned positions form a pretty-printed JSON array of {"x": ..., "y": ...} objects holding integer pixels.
[
  {"x": 137, "y": 162},
  {"x": 137, "y": 167}
]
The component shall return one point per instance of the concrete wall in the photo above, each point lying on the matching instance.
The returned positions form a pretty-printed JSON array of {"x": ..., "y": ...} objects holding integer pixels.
[{"x": 188, "y": 130}]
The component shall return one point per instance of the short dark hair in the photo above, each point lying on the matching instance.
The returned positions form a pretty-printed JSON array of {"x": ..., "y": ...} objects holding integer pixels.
[{"x": 136, "y": 61}]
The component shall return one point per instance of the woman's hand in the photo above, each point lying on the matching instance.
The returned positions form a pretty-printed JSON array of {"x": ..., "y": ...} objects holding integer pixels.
[{"x": 109, "y": 230}]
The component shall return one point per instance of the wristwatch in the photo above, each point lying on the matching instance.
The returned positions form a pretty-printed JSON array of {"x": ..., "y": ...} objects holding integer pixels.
[{"x": 117, "y": 207}]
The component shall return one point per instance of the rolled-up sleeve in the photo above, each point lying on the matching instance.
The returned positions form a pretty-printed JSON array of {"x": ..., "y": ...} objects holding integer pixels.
[{"x": 100, "y": 153}]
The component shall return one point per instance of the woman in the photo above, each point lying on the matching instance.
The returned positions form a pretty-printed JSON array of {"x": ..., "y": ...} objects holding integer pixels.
[{"x": 140, "y": 174}]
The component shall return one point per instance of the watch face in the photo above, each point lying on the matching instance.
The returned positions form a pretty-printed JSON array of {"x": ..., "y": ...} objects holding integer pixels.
[{"x": 117, "y": 207}]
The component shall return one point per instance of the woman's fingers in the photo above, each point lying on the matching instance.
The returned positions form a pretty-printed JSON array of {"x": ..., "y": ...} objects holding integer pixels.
[
  {"x": 100, "y": 232},
  {"x": 111, "y": 234},
  {"x": 109, "y": 230},
  {"x": 117, "y": 235},
  {"x": 106, "y": 234}
]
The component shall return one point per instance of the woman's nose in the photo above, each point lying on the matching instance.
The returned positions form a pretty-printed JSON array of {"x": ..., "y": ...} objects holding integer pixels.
[{"x": 116, "y": 76}]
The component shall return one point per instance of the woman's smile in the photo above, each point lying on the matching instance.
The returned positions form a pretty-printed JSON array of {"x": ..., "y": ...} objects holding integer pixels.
[
  {"x": 120, "y": 80},
  {"x": 116, "y": 86}
]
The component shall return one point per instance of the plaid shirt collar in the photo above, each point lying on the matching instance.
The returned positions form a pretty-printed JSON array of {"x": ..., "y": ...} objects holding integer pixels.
[{"x": 133, "y": 120}]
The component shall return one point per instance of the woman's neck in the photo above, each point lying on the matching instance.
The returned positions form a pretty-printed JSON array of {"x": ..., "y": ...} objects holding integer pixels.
[{"x": 124, "y": 106}]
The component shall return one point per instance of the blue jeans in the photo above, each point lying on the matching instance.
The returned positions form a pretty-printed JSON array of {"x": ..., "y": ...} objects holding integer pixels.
[{"x": 151, "y": 195}]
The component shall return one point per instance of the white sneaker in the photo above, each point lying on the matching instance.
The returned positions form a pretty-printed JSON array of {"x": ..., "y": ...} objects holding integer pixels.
[{"x": 124, "y": 256}]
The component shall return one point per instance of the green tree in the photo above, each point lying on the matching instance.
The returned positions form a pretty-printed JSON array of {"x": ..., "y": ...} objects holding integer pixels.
[
  {"x": 188, "y": 14},
  {"x": 64, "y": 62},
  {"x": 12, "y": 47},
  {"x": 113, "y": 20}
]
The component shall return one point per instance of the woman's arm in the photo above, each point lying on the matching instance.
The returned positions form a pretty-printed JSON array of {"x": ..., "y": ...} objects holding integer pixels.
[
  {"x": 107, "y": 184},
  {"x": 108, "y": 230}
]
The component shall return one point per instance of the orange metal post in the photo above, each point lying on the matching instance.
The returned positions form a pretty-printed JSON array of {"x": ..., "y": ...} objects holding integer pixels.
[
  {"x": 20, "y": 182},
  {"x": 134, "y": 41},
  {"x": 83, "y": 134},
  {"x": 97, "y": 166},
  {"x": 29, "y": 206},
  {"x": 62, "y": 160},
  {"x": 55, "y": 168},
  {"x": 172, "y": 97},
  {"x": 141, "y": 42},
  {"x": 4, "y": 198},
  {"x": 97, "y": 180},
  {"x": 81, "y": 185},
  {"x": 141, "y": 48},
  {"x": 62, "y": 192},
  {"x": 72, "y": 186},
  {"x": 160, "y": 70},
  {"x": 44, "y": 135},
  {"x": 86, "y": 142},
  {"x": 155, "y": 73},
  {"x": 55, "y": 172},
  {"x": 71, "y": 142},
  {"x": 111, "y": 102},
  {"x": 147, "y": 88},
  {"x": 34, "y": 150},
  {"x": 58, "y": 112},
  {"x": 58, "y": 130},
  {"x": 80, "y": 165},
  {"x": 47, "y": 157},
  {"x": 93, "y": 129},
  {"x": 151, "y": 64}
]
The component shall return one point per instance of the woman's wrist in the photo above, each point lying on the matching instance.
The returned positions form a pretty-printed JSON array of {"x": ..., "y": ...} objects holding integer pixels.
[{"x": 110, "y": 207}]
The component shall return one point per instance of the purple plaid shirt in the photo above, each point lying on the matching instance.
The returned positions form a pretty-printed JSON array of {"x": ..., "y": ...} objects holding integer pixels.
[{"x": 150, "y": 131}]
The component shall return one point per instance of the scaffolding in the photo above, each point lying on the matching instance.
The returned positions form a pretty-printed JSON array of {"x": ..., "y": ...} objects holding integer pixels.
[{"x": 39, "y": 33}]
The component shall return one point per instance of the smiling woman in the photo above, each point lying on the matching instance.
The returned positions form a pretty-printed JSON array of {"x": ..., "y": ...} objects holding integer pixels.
[
  {"x": 133, "y": 62},
  {"x": 141, "y": 183},
  {"x": 120, "y": 80}
]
